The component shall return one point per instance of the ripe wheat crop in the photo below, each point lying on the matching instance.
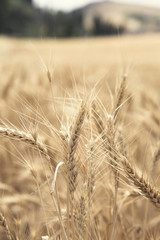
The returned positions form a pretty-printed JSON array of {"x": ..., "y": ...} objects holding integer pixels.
[{"x": 79, "y": 137}]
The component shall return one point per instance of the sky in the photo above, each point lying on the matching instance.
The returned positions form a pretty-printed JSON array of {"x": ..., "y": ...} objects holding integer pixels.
[{"x": 68, "y": 5}]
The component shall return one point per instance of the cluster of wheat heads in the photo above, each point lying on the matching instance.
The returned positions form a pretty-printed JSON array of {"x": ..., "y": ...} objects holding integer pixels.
[{"x": 89, "y": 186}]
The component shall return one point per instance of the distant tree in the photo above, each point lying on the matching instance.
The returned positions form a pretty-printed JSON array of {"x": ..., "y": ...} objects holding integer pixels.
[
  {"x": 68, "y": 25},
  {"x": 18, "y": 17},
  {"x": 28, "y": 1},
  {"x": 103, "y": 28},
  {"x": 22, "y": 18},
  {"x": 4, "y": 12}
]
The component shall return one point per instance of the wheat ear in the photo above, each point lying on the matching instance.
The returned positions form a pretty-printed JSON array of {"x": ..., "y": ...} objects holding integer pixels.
[
  {"x": 82, "y": 217},
  {"x": 72, "y": 145},
  {"x": 71, "y": 160},
  {"x": 3, "y": 223},
  {"x": 98, "y": 122},
  {"x": 119, "y": 97},
  {"x": 26, "y": 138},
  {"x": 144, "y": 186}
]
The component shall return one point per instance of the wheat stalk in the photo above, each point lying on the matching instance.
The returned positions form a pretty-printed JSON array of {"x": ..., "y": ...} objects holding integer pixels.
[
  {"x": 119, "y": 98},
  {"x": 28, "y": 139},
  {"x": 82, "y": 217},
  {"x": 90, "y": 187},
  {"x": 98, "y": 122},
  {"x": 143, "y": 185},
  {"x": 72, "y": 145},
  {"x": 71, "y": 161},
  {"x": 3, "y": 223}
]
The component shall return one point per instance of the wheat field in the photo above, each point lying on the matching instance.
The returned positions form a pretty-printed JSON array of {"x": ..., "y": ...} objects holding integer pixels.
[{"x": 79, "y": 130}]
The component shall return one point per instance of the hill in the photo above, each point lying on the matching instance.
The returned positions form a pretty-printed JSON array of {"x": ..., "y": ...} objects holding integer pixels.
[{"x": 134, "y": 18}]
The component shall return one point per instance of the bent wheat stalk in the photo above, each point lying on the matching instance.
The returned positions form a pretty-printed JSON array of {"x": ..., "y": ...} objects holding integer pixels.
[
  {"x": 26, "y": 138},
  {"x": 142, "y": 184},
  {"x": 146, "y": 188}
]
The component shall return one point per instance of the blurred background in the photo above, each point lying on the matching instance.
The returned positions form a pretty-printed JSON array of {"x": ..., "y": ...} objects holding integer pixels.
[{"x": 44, "y": 18}]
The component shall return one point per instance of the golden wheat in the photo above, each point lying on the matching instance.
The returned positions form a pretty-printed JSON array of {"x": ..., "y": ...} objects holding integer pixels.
[{"x": 103, "y": 152}]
